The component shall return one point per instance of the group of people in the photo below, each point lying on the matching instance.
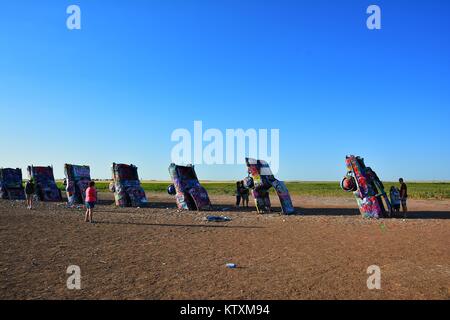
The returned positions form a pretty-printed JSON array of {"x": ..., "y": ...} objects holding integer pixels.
[
  {"x": 399, "y": 196},
  {"x": 241, "y": 193},
  {"x": 90, "y": 198}
]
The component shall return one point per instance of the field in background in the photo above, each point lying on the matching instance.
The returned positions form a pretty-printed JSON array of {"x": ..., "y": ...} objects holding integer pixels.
[{"x": 416, "y": 190}]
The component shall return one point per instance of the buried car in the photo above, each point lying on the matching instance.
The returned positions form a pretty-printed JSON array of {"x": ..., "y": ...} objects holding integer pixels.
[
  {"x": 45, "y": 185},
  {"x": 77, "y": 181},
  {"x": 260, "y": 179},
  {"x": 367, "y": 188},
  {"x": 126, "y": 186},
  {"x": 189, "y": 193},
  {"x": 11, "y": 187}
]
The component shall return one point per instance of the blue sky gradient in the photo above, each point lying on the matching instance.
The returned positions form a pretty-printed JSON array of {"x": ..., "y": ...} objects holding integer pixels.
[{"x": 137, "y": 70}]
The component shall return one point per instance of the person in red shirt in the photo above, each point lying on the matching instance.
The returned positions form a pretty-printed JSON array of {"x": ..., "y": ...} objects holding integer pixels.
[{"x": 91, "y": 199}]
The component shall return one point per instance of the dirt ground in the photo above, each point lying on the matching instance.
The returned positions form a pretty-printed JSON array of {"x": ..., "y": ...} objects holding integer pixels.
[{"x": 161, "y": 253}]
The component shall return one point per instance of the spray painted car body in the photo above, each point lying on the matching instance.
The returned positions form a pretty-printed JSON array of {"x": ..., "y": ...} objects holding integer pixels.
[
  {"x": 367, "y": 188},
  {"x": 45, "y": 185},
  {"x": 127, "y": 186},
  {"x": 11, "y": 187},
  {"x": 77, "y": 181},
  {"x": 189, "y": 193},
  {"x": 260, "y": 180}
]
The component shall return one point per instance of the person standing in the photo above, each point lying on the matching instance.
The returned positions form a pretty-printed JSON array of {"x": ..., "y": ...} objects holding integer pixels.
[
  {"x": 238, "y": 193},
  {"x": 244, "y": 194},
  {"x": 403, "y": 195},
  {"x": 91, "y": 199},
  {"x": 394, "y": 195},
  {"x": 29, "y": 192}
]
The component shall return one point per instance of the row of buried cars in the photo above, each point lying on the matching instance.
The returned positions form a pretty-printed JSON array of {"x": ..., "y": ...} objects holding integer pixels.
[
  {"x": 186, "y": 188},
  {"x": 11, "y": 186},
  {"x": 188, "y": 192},
  {"x": 126, "y": 185}
]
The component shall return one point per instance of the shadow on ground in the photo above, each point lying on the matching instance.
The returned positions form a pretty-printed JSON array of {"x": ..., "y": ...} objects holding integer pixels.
[
  {"x": 355, "y": 212},
  {"x": 177, "y": 225},
  {"x": 276, "y": 209}
]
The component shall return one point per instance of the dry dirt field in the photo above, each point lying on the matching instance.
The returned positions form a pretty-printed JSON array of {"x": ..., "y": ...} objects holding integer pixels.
[{"x": 161, "y": 253}]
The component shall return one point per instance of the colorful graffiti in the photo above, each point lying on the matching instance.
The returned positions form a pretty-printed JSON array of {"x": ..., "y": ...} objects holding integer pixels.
[
  {"x": 189, "y": 193},
  {"x": 45, "y": 185},
  {"x": 126, "y": 186},
  {"x": 77, "y": 181},
  {"x": 260, "y": 180},
  {"x": 367, "y": 188},
  {"x": 11, "y": 184}
]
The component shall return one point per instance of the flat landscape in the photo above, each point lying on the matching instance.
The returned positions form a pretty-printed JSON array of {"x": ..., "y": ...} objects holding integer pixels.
[
  {"x": 416, "y": 190},
  {"x": 160, "y": 252}
]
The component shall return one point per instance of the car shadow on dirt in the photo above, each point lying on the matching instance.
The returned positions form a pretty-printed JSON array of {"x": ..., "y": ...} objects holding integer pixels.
[
  {"x": 355, "y": 212},
  {"x": 426, "y": 215},
  {"x": 327, "y": 211},
  {"x": 178, "y": 225}
]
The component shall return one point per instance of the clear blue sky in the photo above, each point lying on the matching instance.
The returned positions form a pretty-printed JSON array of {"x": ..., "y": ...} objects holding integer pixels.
[{"x": 116, "y": 89}]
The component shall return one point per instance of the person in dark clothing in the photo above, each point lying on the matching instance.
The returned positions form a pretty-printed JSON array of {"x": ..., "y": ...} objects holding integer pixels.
[
  {"x": 394, "y": 197},
  {"x": 29, "y": 192},
  {"x": 238, "y": 193},
  {"x": 403, "y": 195},
  {"x": 244, "y": 194}
]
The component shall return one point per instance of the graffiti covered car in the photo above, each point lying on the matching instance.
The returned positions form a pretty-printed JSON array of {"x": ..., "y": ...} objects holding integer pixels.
[
  {"x": 127, "y": 186},
  {"x": 45, "y": 185},
  {"x": 77, "y": 181},
  {"x": 260, "y": 179},
  {"x": 189, "y": 193},
  {"x": 366, "y": 187},
  {"x": 11, "y": 184}
]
